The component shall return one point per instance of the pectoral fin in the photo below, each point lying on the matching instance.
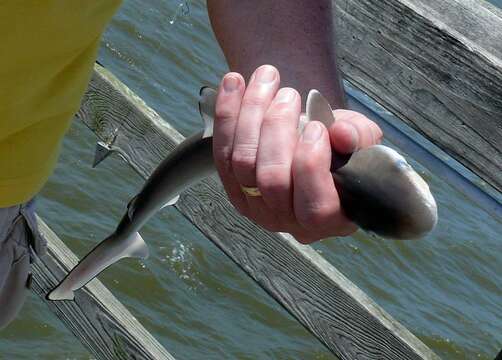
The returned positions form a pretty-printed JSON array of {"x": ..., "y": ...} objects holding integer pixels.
[
  {"x": 318, "y": 108},
  {"x": 207, "y": 102},
  {"x": 102, "y": 151}
]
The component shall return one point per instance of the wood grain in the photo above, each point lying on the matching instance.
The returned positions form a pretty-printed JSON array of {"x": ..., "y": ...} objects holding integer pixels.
[
  {"x": 103, "y": 325},
  {"x": 437, "y": 65},
  {"x": 340, "y": 315}
]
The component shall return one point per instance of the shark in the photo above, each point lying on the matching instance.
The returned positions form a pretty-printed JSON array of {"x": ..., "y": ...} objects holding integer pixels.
[{"x": 378, "y": 189}]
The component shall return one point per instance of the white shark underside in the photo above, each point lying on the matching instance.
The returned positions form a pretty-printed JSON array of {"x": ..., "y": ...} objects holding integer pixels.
[{"x": 379, "y": 191}]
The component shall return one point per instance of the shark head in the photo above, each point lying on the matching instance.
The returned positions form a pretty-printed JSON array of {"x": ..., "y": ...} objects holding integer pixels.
[
  {"x": 383, "y": 194},
  {"x": 378, "y": 189}
]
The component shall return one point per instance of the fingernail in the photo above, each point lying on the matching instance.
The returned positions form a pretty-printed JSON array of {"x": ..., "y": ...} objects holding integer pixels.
[
  {"x": 230, "y": 83},
  {"x": 311, "y": 133},
  {"x": 376, "y": 133},
  {"x": 266, "y": 74},
  {"x": 354, "y": 137},
  {"x": 285, "y": 95}
]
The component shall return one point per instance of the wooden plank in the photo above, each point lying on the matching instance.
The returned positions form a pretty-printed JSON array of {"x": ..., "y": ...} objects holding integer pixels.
[
  {"x": 103, "y": 325},
  {"x": 349, "y": 323},
  {"x": 436, "y": 64}
]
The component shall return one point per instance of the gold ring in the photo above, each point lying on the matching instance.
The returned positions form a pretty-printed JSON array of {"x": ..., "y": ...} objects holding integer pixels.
[{"x": 251, "y": 191}]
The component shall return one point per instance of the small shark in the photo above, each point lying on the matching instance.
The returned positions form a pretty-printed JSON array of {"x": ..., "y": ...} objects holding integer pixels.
[{"x": 379, "y": 191}]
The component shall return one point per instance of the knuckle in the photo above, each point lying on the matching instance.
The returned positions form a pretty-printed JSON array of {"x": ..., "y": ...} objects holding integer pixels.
[
  {"x": 253, "y": 101},
  {"x": 274, "y": 179},
  {"x": 314, "y": 217},
  {"x": 223, "y": 157},
  {"x": 278, "y": 113},
  {"x": 224, "y": 114},
  {"x": 273, "y": 120},
  {"x": 274, "y": 189},
  {"x": 244, "y": 157},
  {"x": 308, "y": 165}
]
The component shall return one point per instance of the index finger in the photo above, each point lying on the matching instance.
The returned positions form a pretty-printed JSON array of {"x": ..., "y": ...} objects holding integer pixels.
[{"x": 227, "y": 110}]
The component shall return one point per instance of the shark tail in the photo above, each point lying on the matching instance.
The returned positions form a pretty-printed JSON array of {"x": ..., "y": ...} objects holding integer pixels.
[{"x": 106, "y": 253}]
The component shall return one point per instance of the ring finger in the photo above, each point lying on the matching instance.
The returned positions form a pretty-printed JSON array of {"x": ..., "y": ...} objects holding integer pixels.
[{"x": 278, "y": 140}]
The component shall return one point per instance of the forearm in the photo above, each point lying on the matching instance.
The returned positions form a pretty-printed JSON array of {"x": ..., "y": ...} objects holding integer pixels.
[{"x": 297, "y": 37}]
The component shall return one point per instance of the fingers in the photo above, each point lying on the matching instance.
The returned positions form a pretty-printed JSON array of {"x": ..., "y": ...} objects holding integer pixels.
[
  {"x": 239, "y": 114},
  {"x": 259, "y": 94},
  {"x": 256, "y": 144},
  {"x": 257, "y": 98},
  {"x": 276, "y": 150},
  {"x": 352, "y": 131},
  {"x": 316, "y": 202}
]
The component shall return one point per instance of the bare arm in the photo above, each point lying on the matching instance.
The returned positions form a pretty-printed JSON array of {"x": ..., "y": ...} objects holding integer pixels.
[
  {"x": 255, "y": 142},
  {"x": 297, "y": 37}
]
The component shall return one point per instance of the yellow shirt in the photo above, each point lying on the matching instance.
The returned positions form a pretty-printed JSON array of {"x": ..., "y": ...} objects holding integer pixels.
[{"x": 47, "y": 52}]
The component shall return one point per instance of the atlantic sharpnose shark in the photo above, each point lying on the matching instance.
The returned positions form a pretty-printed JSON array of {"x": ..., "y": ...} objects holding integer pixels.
[{"x": 379, "y": 191}]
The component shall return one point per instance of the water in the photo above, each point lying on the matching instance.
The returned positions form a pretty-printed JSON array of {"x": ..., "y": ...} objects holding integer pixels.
[
  {"x": 496, "y": 2},
  {"x": 446, "y": 289}
]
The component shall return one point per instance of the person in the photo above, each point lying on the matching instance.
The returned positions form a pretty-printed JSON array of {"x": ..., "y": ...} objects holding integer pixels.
[{"x": 275, "y": 177}]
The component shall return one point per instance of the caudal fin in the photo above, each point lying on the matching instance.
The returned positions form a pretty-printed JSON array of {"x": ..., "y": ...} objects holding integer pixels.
[{"x": 108, "y": 252}]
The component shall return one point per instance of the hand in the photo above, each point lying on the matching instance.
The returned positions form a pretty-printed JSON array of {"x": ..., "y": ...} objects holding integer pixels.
[{"x": 256, "y": 144}]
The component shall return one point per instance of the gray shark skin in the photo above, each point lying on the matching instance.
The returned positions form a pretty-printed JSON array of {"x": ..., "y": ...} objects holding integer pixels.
[{"x": 379, "y": 191}]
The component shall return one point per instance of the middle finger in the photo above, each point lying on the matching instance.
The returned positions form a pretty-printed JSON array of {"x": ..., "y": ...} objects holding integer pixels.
[
  {"x": 278, "y": 140},
  {"x": 259, "y": 94}
]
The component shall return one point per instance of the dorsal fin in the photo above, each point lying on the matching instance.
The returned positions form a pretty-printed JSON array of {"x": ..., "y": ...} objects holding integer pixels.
[
  {"x": 207, "y": 102},
  {"x": 318, "y": 108}
]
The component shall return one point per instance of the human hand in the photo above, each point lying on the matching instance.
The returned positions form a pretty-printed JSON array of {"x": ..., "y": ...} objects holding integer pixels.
[{"x": 256, "y": 144}]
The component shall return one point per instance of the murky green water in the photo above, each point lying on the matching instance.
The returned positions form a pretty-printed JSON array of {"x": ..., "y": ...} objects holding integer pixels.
[{"x": 446, "y": 289}]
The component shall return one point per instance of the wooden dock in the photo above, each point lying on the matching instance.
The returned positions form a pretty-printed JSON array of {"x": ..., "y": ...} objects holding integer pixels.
[{"x": 435, "y": 63}]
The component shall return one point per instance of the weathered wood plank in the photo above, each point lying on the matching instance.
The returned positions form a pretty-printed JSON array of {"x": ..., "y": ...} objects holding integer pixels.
[
  {"x": 349, "y": 323},
  {"x": 437, "y": 64},
  {"x": 103, "y": 325}
]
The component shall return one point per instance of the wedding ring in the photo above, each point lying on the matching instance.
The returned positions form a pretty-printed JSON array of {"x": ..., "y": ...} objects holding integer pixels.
[{"x": 251, "y": 191}]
